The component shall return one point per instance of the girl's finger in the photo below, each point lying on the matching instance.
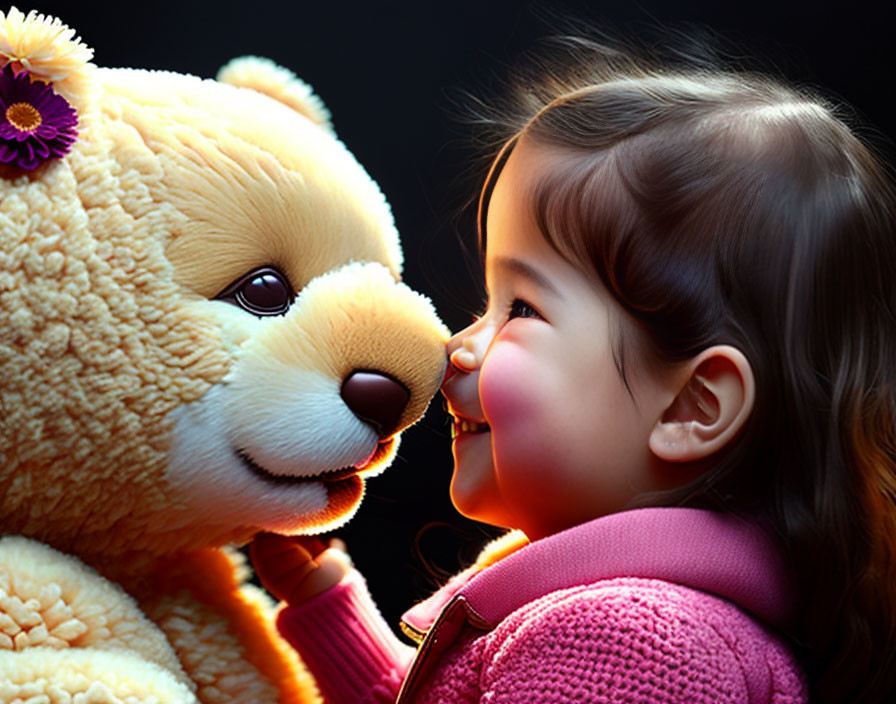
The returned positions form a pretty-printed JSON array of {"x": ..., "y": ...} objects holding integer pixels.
[
  {"x": 271, "y": 546},
  {"x": 332, "y": 566}
]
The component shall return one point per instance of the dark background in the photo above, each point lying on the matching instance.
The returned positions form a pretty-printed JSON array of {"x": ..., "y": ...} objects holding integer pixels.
[{"x": 391, "y": 74}]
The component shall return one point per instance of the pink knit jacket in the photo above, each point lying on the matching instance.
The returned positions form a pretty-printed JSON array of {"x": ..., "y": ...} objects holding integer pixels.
[{"x": 653, "y": 605}]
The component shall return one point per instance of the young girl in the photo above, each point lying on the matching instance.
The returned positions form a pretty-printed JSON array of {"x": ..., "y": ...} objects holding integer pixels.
[{"x": 681, "y": 393}]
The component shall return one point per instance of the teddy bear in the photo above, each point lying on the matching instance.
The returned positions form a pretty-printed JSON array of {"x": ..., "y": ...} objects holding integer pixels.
[{"x": 203, "y": 335}]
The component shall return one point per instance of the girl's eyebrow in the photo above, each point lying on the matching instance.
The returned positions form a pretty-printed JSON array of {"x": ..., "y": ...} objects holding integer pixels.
[{"x": 518, "y": 266}]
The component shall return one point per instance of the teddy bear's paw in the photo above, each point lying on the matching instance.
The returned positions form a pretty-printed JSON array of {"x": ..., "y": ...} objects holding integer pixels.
[{"x": 86, "y": 676}]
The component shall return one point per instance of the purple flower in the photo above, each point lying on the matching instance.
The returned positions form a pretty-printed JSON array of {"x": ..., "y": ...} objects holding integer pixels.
[{"x": 36, "y": 123}]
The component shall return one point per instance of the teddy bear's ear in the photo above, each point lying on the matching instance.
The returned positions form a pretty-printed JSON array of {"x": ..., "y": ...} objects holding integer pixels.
[{"x": 281, "y": 84}]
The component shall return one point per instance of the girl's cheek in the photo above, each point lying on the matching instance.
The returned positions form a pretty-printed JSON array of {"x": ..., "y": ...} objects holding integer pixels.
[{"x": 507, "y": 388}]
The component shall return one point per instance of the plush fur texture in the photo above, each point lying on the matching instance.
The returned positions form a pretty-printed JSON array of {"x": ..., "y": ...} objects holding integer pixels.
[{"x": 129, "y": 396}]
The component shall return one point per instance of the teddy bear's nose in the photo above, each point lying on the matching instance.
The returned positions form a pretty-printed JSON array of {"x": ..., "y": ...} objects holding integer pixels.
[{"x": 376, "y": 399}]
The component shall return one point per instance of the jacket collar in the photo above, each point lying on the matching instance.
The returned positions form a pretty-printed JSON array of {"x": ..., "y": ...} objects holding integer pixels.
[{"x": 717, "y": 553}]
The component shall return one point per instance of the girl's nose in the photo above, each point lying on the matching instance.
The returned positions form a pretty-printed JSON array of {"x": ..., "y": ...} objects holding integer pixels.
[
  {"x": 461, "y": 360},
  {"x": 466, "y": 353},
  {"x": 467, "y": 348},
  {"x": 464, "y": 358}
]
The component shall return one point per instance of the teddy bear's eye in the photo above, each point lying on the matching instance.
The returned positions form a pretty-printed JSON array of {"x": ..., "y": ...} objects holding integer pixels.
[{"x": 263, "y": 291}]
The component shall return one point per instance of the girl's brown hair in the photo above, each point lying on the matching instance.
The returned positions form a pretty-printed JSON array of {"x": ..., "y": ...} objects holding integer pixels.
[{"x": 724, "y": 207}]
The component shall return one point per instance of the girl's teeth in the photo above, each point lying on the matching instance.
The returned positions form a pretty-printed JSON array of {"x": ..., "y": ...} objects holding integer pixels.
[{"x": 467, "y": 426}]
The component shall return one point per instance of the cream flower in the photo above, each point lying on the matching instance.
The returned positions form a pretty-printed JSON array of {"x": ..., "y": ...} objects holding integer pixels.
[{"x": 41, "y": 45}]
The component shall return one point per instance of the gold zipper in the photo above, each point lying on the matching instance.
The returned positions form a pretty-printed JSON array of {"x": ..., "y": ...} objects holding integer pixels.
[
  {"x": 431, "y": 639},
  {"x": 415, "y": 634}
]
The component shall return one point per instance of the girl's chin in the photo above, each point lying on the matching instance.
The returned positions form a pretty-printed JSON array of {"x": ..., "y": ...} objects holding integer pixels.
[
  {"x": 473, "y": 462},
  {"x": 473, "y": 480}
]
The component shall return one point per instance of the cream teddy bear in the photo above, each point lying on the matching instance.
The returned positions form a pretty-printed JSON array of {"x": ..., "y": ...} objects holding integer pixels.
[{"x": 202, "y": 335}]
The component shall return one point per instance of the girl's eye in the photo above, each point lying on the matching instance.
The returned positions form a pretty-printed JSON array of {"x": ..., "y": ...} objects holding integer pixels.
[
  {"x": 263, "y": 291},
  {"x": 521, "y": 309}
]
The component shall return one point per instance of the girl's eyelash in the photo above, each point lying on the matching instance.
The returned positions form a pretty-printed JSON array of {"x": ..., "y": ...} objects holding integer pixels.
[{"x": 520, "y": 309}]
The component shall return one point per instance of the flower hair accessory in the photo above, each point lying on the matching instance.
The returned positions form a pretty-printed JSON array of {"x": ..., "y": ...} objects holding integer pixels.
[
  {"x": 43, "y": 69},
  {"x": 36, "y": 124}
]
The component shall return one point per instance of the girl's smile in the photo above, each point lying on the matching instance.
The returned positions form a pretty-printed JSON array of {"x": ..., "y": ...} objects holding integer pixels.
[{"x": 465, "y": 425}]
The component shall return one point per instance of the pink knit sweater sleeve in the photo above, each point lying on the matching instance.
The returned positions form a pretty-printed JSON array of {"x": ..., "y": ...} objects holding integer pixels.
[
  {"x": 633, "y": 640},
  {"x": 347, "y": 645}
]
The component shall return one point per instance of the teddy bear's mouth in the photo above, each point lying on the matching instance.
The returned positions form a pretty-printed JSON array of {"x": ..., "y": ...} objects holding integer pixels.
[{"x": 335, "y": 475}]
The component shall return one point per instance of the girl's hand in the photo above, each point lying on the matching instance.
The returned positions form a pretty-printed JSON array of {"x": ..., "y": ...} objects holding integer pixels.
[{"x": 295, "y": 569}]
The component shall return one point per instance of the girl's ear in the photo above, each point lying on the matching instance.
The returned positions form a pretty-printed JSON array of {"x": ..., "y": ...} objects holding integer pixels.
[{"x": 709, "y": 410}]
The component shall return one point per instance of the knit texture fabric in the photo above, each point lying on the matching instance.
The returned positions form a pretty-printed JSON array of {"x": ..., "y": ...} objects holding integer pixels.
[
  {"x": 344, "y": 640},
  {"x": 630, "y": 638},
  {"x": 622, "y": 640}
]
